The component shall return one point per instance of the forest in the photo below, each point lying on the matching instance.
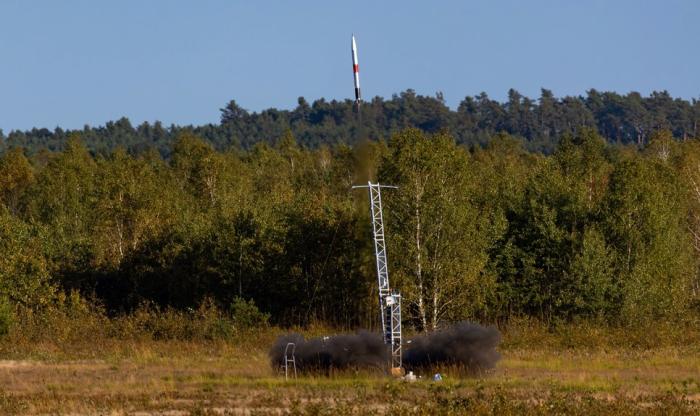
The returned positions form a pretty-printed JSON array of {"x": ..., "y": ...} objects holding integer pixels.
[
  {"x": 602, "y": 224},
  {"x": 538, "y": 123}
]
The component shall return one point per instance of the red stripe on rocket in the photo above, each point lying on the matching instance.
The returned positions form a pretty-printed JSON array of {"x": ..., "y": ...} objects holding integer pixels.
[{"x": 355, "y": 70}]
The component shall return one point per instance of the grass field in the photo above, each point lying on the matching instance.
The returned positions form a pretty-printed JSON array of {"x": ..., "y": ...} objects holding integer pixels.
[{"x": 234, "y": 377}]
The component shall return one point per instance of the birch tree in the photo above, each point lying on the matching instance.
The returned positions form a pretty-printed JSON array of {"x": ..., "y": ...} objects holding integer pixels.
[{"x": 436, "y": 235}]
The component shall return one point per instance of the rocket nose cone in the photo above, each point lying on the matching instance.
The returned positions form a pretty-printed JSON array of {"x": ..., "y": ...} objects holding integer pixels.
[{"x": 352, "y": 43}]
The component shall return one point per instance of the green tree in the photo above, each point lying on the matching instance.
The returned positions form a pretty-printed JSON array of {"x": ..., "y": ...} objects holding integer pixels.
[
  {"x": 646, "y": 220},
  {"x": 132, "y": 205},
  {"x": 24, "y": 272},
  {"x": 545, "y": 259},
  {"x": 440, "y": 233},
  {"x": 198, "y": 166},
  {"x": 16, "y": 177},
  {"x": 63, "y": 199}
]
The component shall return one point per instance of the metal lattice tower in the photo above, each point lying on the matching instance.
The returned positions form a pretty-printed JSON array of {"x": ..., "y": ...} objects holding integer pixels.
[{"x": 389, "y": 301}]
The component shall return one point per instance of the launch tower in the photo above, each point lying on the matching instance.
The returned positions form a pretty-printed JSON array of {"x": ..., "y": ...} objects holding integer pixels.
[{"x": 389, "y": 300}]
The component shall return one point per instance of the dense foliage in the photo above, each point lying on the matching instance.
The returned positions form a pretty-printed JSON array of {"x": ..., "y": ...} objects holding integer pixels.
[
  {"x": 592, "y": 231},
  {"x": 539, "y": 123}
]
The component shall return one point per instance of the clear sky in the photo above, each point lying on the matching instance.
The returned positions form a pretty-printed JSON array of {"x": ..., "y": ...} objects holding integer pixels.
[{"x": 69, "y": 63}]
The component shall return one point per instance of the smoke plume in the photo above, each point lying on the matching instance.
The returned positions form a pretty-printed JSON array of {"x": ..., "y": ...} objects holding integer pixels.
[
  {"x": 361, "y": 350},
  {"x": 469, "y": 346}
]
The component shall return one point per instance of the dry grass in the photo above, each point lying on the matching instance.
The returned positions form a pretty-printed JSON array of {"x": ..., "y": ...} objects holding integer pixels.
[
  {"x": 85, "y": 366},
  {"x": 228, "y": 377}
]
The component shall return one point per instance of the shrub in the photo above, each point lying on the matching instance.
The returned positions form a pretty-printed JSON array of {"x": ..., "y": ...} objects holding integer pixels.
[
  {"x": 149, "y": 321},
  {"x": 246, "y": 315},
  {"x": 6, "y": 316}
]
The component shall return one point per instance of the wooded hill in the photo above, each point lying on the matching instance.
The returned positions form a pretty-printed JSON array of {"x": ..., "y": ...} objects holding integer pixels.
[{"x": 539, "y": 123}]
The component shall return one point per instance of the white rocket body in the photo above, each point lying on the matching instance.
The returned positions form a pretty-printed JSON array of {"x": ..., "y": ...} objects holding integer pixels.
[{"x": 355, "y": 70}]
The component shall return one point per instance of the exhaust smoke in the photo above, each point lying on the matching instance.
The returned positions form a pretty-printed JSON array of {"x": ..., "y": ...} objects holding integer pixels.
[
  {"x": 467, "y": 345},
  {"x": 361, "y": 350}
]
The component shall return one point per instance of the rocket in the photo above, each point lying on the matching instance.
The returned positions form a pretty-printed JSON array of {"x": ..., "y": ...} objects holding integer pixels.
[{"x": 355, "y": 72}]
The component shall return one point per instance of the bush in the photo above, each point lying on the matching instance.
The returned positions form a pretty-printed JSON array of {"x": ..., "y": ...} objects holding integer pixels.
[
  {"x": 246, "y": 315},
  {"x": 6, "y": 316},
  {"x": 207, "y": 322}
]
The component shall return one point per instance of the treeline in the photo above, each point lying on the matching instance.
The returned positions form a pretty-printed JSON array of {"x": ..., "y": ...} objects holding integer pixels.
[
  {"x": 539, "y": 123},
  {"x": 592, "y": 231}
]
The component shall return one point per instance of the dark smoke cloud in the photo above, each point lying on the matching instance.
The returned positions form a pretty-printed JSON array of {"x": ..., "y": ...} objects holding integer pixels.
[
  {"x": 361, "y": 350},
  {"x": 467, "y": 345}
]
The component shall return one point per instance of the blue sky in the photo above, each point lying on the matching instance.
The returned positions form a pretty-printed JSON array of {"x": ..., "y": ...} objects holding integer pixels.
[{"x": 70, "y": 63}]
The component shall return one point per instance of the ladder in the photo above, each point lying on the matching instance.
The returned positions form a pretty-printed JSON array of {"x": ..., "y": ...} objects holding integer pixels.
[{"x": 289, "y": 359}]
